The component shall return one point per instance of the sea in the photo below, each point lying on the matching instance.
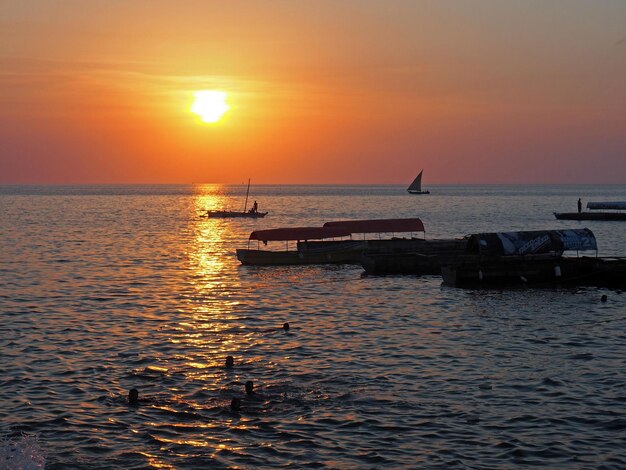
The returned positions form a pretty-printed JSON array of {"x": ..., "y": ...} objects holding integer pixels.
[{"x": 113, "y": 287}]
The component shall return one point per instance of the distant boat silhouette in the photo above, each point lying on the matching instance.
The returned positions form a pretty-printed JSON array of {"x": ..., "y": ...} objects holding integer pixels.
[
  {"x": 416, "y": 186},
  {"x": 250, "y": 214}
]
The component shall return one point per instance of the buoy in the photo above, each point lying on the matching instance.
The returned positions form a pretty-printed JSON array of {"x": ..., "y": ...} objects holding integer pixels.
[{"x": 557, "y": 271}]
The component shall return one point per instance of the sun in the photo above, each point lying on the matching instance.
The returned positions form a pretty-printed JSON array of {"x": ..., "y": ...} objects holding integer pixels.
[{"x": 210, "y": 105}]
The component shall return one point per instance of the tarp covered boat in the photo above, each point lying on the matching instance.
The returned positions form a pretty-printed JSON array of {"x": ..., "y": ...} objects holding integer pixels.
[{"x": 526, "y": 258}]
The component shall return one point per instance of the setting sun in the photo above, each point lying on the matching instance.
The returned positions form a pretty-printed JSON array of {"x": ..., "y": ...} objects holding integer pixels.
[{"x": 210, "y": 105}]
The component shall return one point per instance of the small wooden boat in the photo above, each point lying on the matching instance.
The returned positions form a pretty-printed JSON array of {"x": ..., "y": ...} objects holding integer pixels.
[
  {"x": 416, "y": 186},
  {"x": 232, "y": 214},
  {"x": 249, "y": 214},
  {"x": 601, "y": 206}
]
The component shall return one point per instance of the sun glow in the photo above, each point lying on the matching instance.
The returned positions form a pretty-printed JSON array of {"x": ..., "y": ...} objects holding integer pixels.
[{"x": 210, "y": 105}]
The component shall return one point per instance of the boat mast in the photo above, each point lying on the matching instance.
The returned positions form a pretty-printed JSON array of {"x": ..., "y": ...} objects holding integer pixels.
[{"x": 245, "y": 206}]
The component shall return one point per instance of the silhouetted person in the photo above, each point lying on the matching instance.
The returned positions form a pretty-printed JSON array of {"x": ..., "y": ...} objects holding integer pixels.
[
  {"x": 230, "y": 362},
  {"x": 255, "y": 208},
  {"x": 250, "y": 387},
  {"x": 133, "y": 397},
  {"x": 580, "y": 206},
  {"x": 235, "y": 404},
  {"x": 286, "y": 326}
]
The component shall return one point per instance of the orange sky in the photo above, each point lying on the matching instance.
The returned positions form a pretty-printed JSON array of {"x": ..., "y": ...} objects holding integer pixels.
[{"x": 320, "y": 92}]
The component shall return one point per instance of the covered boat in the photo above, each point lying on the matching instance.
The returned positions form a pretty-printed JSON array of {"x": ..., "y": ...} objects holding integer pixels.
[
  {"x": 314, "y": 244},
  {"x": 529, "y": 257}
]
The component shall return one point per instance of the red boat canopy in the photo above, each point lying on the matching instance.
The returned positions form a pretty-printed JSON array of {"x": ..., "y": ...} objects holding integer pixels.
[
  {"x": 299, "y": 233},
  {"x": 379, "y": 225}
]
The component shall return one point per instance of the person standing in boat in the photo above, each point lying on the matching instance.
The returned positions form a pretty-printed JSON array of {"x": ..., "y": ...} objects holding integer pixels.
[
  {"x": 255, "y": 208},
  {"x": 580, "y": 206}
]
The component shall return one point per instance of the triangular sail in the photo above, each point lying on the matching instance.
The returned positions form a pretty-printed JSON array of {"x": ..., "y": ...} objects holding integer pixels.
[{"x": 416, "y": 185}]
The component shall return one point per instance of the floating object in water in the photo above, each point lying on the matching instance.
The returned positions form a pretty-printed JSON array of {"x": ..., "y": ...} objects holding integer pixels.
[
  {"x": 286, "y": 326},
  {"x": 133, "y": 396},
  {"x": 161, "y": 370},
  {"x": 250, "y": 387},
  {"x": 235, "y": 404},
  {"x": 603, "y": 298},
  {"x": 230, "y": 362}
]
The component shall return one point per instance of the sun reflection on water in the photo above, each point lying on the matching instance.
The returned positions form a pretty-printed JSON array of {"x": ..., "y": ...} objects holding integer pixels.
[{"x": 210, "y": 332}]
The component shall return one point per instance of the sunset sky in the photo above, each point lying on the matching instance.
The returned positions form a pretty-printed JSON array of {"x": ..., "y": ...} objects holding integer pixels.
[{"x": 317, "y": 91}]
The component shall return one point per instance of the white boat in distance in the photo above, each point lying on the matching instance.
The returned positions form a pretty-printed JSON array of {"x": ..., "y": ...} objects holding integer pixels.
[{"x": 416, "y": 185}]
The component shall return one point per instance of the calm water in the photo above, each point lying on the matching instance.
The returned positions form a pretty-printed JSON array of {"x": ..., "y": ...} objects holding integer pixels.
[{"x": 108, "y": 288}]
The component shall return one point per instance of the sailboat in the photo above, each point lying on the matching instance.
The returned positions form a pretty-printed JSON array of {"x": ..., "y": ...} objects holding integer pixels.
[
  {"x": 416, "y": 185},
  {"x": 250, "y": 214}
]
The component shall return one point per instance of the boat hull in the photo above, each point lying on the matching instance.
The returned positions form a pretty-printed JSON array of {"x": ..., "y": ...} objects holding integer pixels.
[
  {"x": 590, "y": 215},
  {"x": 535, "y": 271},
  {"x": 234, "y": 215},
  {"x": 348, "y": 252},
  {"x": 410, "y": 191}
]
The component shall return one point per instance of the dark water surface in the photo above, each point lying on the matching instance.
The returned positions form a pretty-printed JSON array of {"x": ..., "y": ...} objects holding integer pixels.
[{"x": 106, "y": 288}]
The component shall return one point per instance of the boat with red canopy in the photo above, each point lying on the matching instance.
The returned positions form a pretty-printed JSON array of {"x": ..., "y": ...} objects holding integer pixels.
[{"x": 332, "y": 243}]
